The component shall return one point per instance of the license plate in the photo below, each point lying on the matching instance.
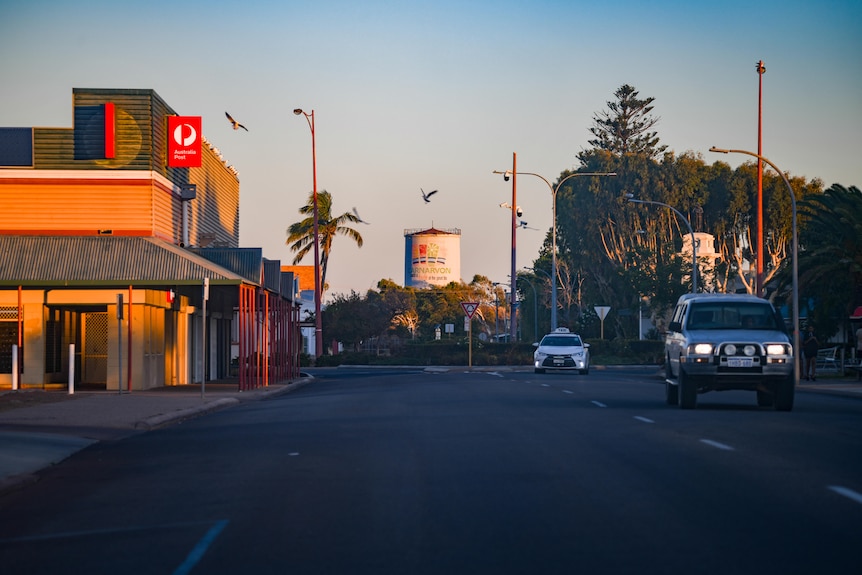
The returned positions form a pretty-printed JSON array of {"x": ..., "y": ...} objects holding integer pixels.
[
  {"x": 559, "y": 361},
  {"x": 739, "y": 362}
]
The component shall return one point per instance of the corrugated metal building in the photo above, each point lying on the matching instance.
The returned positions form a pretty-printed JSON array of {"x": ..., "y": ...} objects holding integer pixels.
[{"x": 95, "y": 213}]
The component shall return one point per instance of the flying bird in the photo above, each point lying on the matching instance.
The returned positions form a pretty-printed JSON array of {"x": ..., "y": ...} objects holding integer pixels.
[
  {"x": 236, "y": 125},
  {"x": 428, "y": 195},
  {"x": 355, "y": 213},
  {"x": 524, "y": 225}
]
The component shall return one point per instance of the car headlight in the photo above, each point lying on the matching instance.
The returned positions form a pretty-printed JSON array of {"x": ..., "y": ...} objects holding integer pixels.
[
  {"x": 776, "y": 349},
  {"x": 701, "y": 349}
]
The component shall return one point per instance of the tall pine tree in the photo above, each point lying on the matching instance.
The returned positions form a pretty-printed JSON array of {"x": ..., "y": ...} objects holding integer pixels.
[{"x": 624, "y": 128}]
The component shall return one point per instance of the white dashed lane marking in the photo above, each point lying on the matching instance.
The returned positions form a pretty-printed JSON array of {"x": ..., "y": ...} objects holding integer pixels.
[
  {"x": 598, "y": 403},
  {"x": 644, "y": 419},
  {"x": 717, "y": 445},
  {"x": 848, "y": 493}
]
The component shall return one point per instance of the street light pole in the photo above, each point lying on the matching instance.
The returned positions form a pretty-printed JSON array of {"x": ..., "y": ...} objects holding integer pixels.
[
  {"x": 318, "y": 324},
  {"x": 761, "y": 69},
  {"x": 795, "y": 295},
  {"x": 631, "y": 199},
  {"x": 535, "y": 306},
  {"x": 554, "y": 191},
  {"x": 513, "y": 308}
]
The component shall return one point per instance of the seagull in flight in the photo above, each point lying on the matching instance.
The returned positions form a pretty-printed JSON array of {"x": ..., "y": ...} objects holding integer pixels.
[
  {"x": 236, "y": 125},
  {"x": 355, "y": 213},
  {"x": 428, "y": 195}
]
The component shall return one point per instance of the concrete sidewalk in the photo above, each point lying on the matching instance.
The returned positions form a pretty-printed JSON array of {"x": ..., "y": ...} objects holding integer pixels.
[{"x": 46, "y": 431}]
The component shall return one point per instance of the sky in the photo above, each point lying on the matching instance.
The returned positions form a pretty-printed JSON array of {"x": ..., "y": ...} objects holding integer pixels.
[{"x": 438, "y": 95}]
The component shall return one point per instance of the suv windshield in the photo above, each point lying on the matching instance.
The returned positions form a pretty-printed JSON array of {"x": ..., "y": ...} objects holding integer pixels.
[{"x": 731, "y": 315}]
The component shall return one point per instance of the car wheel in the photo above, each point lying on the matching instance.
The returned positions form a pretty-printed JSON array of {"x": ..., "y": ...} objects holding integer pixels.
[
  {"x": 671, "y": 392},
  {"x": 668, "y": 372},
  {"x": 585, "y": 371},
  {"x": 687, "y": 391},
  {"x": 784, "y": 393},
  {"x": 537, "y": 370}
]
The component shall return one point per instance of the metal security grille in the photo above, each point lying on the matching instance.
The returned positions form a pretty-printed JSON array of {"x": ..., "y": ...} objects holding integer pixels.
[
  {"x": 8, "y": 313},
  {"x": 8, "y": 337},
  {"x": 95, "y": 360}
]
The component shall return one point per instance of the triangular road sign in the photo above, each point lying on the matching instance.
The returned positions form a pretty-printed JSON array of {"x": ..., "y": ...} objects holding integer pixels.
[{"x": 470, "y": 308}]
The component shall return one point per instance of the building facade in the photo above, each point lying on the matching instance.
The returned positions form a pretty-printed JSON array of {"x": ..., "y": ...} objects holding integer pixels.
[{"x": 120, "y": 263}]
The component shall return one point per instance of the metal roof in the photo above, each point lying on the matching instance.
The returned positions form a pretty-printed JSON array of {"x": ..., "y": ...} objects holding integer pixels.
[
  {"x": 89, "y": 261},
  {"x": 247, "y": 262}
]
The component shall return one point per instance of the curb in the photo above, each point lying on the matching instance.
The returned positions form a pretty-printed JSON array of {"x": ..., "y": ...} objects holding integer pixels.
[
  {"x": 179, "y": 415},
  {"x": 182, "y": 414}
]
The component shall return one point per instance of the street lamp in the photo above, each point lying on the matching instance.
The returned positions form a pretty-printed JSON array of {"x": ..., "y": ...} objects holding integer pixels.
[
  {"x": 554, "y": 191},
  {"x": 795, "y": 295},
  {"x": 630, "y": 198},
  {"x": 318, "y": 325}
]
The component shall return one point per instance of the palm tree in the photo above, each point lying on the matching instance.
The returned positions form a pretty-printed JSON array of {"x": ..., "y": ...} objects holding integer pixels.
[
  {"x": 300, "y": 235},
  {"x": 830, "y": 265}
]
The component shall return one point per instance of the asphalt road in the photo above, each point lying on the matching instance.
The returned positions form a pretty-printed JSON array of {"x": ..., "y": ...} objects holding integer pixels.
[{"x": 388, "y": 471}]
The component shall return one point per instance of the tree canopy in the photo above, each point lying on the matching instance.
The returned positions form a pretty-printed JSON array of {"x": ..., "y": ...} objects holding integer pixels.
[
  {"x": 620, "y": 254},
  {"x": 300, "y": 235}
]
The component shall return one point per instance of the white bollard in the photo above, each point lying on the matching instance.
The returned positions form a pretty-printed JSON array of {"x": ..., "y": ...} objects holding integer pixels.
[
  {"x": 14, "y": 367},
  {"x": 71, "y": 369}
]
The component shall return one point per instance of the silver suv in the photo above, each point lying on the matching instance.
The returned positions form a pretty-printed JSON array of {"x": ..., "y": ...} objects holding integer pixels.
[{"x": 718, "y": 342}]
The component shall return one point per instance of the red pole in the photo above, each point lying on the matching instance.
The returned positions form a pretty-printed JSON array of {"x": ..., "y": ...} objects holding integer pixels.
[
  {"x": 318, "y": 320},
  {"x": 513, "y": 313},
  {"x": 129, "y": 338},
  {"x": 240, "y": 360},
  {"x": 760, "y": 250}
]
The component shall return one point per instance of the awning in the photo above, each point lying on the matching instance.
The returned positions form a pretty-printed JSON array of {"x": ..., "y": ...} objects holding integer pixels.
[{"x": 857, "y": 313}]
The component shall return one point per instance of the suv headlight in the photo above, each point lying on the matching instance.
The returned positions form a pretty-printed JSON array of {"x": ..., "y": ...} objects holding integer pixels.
[
  {"x": 748, "y": 350},
  {"x": 776, "y": 349},
  {"x": 700, "y": 349}
]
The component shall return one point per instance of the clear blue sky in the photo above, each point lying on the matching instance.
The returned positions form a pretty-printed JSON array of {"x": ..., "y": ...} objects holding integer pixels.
[{"x": 439, "y": 94}]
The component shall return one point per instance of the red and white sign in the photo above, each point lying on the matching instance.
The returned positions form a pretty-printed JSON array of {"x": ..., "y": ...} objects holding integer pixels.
[
  {"x": 110, "y": 130},
  {"x": 470, "y": 308},
  {"x": 184, "y": 141}
]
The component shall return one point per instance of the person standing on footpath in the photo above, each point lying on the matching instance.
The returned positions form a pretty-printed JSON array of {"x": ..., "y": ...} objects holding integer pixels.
[
  {"x": 859, "y": 343},
  {"x": 809, "y": 350}
]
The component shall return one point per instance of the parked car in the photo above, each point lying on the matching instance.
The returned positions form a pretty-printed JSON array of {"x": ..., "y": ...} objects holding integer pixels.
[
  {"x": 562, "y": 350},
  {"x": 719, "y": 342}
]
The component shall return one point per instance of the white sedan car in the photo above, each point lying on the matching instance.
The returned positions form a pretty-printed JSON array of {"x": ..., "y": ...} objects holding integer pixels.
[{"x": 562, "y": 350}]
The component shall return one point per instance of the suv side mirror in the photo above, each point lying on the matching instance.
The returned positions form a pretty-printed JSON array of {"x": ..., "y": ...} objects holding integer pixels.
[{"x": 674, "y": 326}]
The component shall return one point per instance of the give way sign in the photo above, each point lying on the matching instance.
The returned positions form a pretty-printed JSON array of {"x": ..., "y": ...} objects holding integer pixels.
[{"x": 470, "y": 308}]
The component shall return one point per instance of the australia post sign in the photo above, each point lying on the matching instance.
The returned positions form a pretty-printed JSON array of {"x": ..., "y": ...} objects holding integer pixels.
[{"x": 184, "y": 141}]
